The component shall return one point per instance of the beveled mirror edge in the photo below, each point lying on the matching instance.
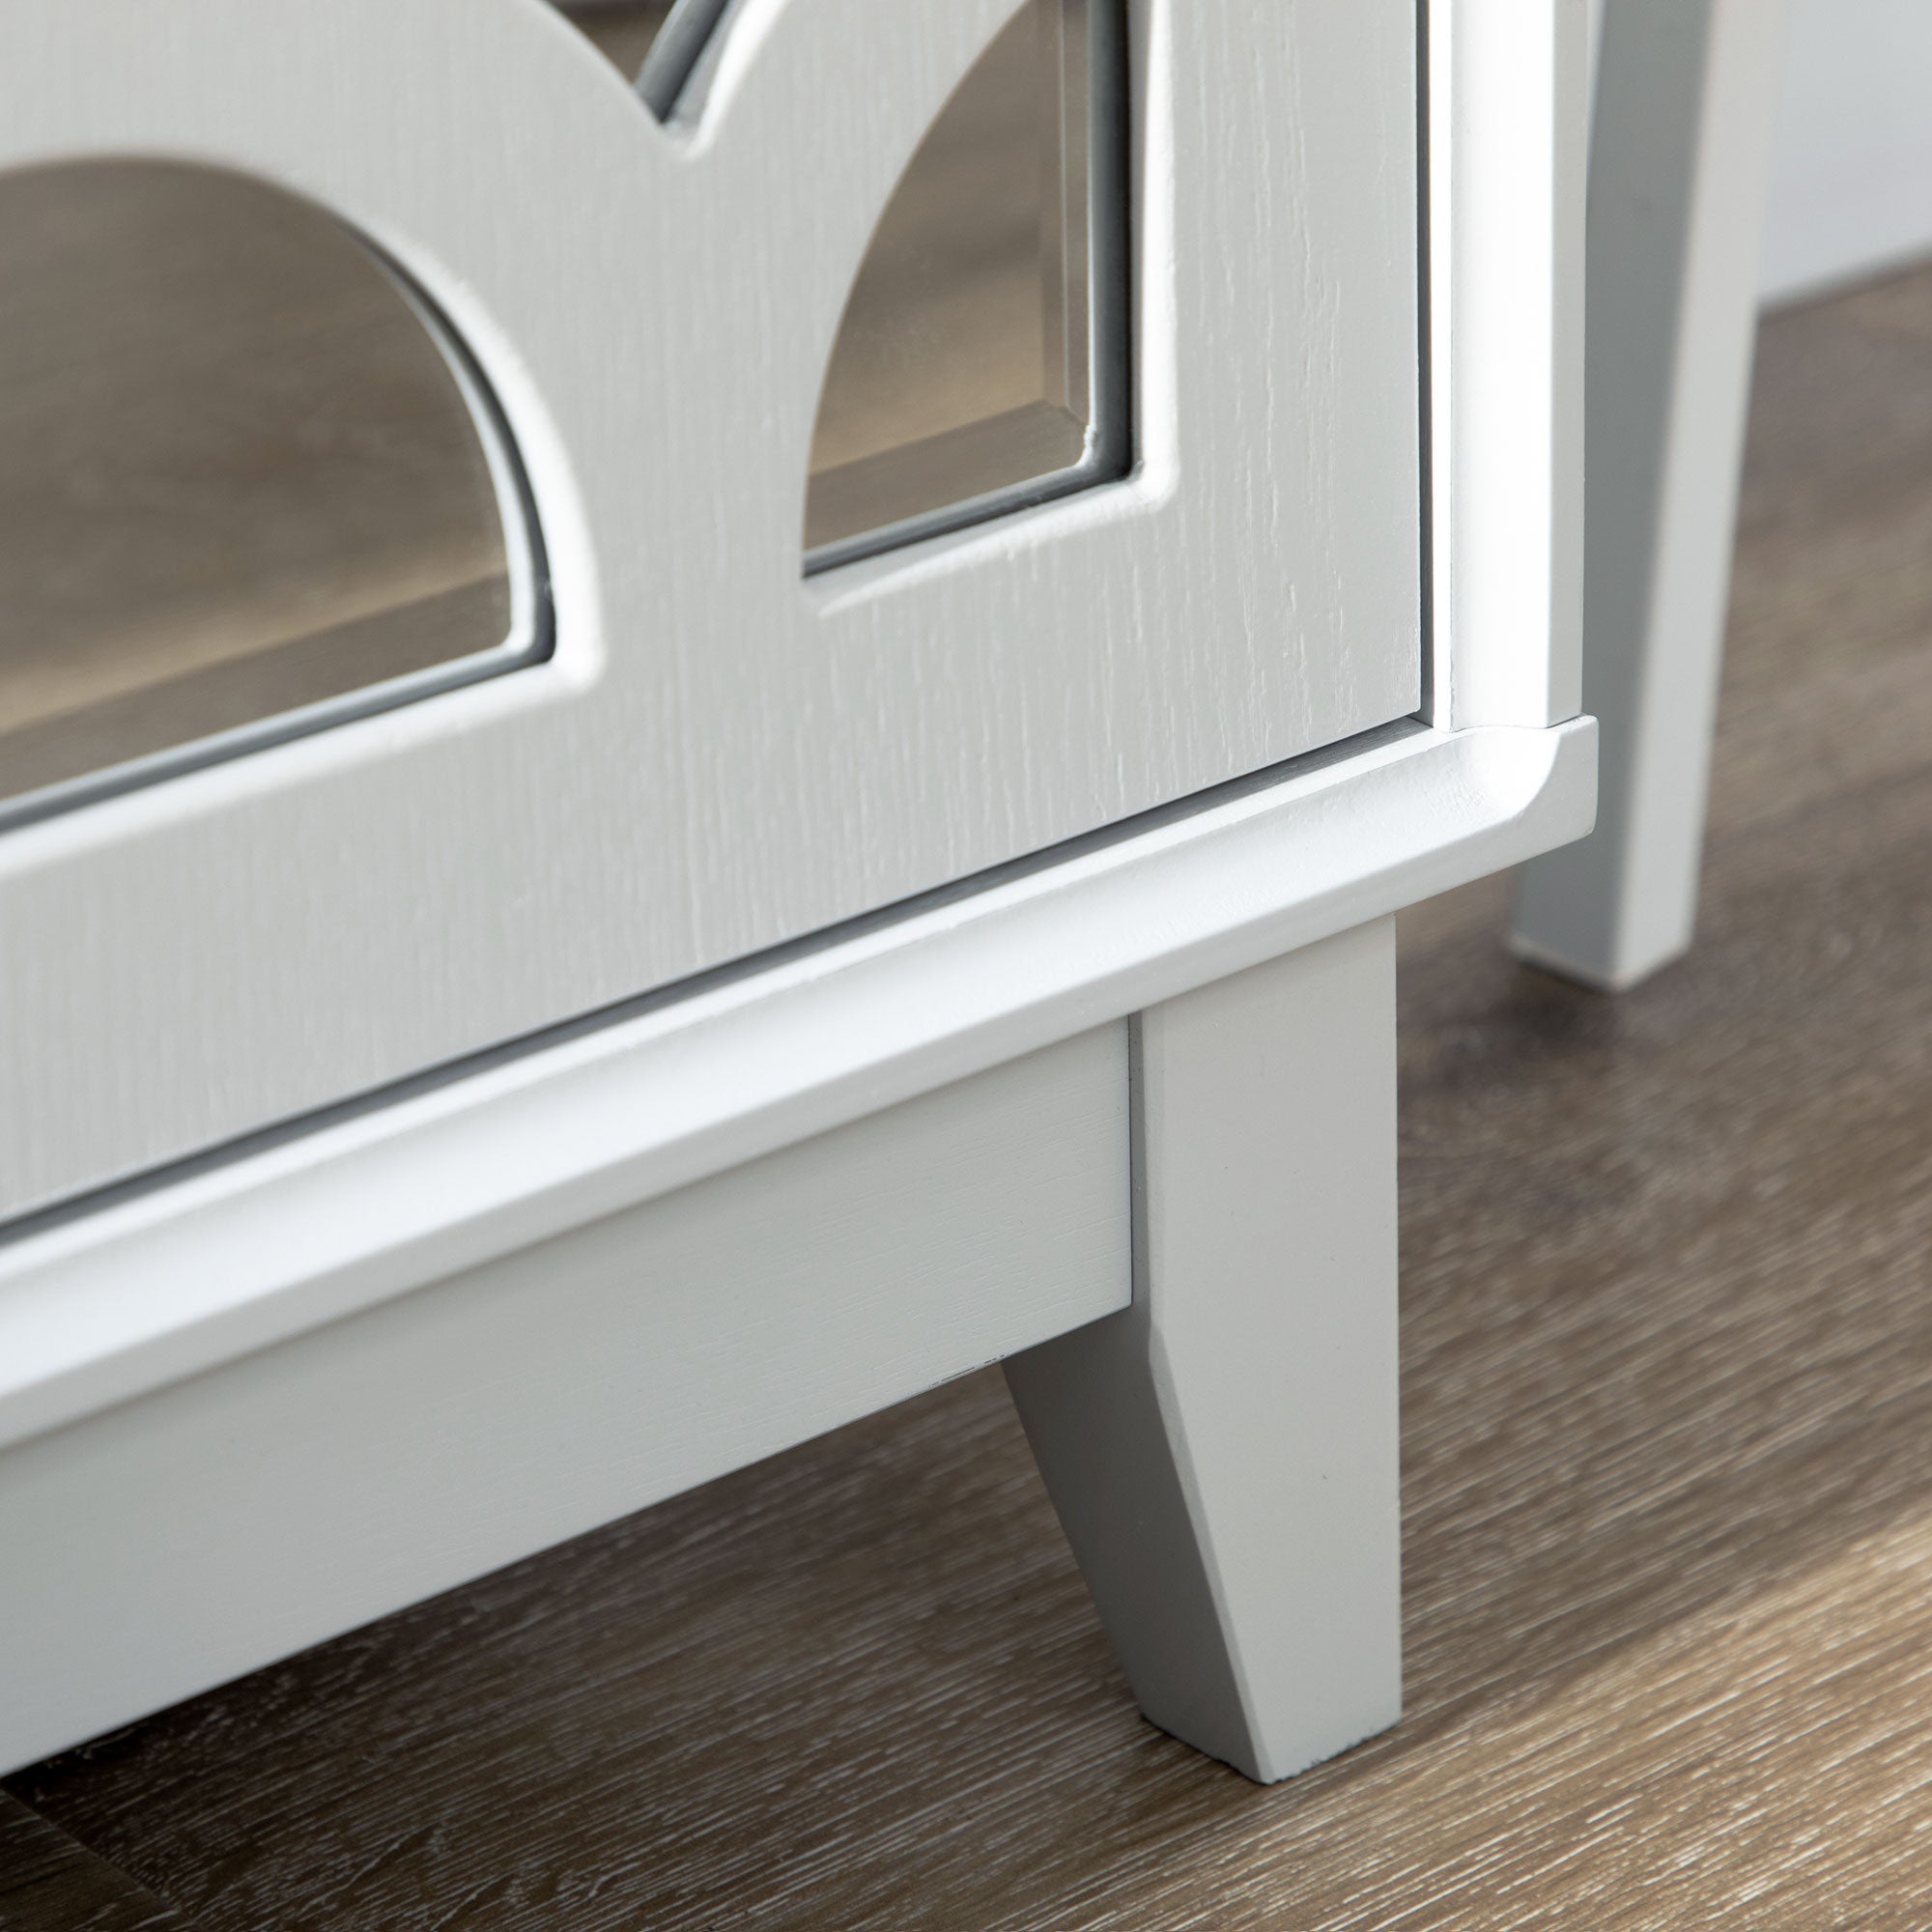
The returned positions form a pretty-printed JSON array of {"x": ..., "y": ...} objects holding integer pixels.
[{"x": 1108, "y": 453}]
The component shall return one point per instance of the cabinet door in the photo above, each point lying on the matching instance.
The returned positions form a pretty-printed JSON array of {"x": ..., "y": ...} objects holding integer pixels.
[{"x": 722, "y": 679}]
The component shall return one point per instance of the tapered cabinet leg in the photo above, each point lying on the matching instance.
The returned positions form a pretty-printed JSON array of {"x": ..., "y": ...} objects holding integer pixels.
[
  {"x": 1224, "y": 1454},
  {"x": 1679, "y": 162}
]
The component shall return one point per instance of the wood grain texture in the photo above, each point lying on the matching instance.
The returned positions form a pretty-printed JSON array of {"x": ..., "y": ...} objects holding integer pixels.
[
  {"x": 1668, "y": 1392},
  {"x": 48, "y": 1883},
  {"x": 153, "y": 1286}
]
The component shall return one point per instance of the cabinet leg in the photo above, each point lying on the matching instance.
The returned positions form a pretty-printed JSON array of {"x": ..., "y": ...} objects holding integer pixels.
[
  {"x": 1224, "y": 1454},
  {"x": 1678, "y": 167}
]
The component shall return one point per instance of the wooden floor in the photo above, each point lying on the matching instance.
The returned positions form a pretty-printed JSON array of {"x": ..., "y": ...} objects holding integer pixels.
[{"x": 1667, "y": 1328}]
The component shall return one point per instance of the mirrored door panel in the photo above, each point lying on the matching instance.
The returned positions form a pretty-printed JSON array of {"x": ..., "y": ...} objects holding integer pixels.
[{"x": 270, "y": 462}]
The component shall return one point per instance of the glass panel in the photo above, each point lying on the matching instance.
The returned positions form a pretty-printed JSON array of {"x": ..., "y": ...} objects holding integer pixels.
[
  {"x": 981, "y": 364},
  {"x": 240, "y": 479}
]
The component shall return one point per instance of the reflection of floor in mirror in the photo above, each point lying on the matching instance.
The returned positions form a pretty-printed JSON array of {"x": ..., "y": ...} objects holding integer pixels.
[
  {"x": 1667, "y": 1379},
  {"x": 947, "y": 320},
  {"x": 235, "y": 473}
]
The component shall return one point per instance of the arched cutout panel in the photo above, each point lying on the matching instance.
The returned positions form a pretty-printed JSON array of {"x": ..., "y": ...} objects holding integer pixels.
[
  {"x": 981, "y": 362},
  {"x": 720, "y": 760},
  {"x": 249, "y": 486}
]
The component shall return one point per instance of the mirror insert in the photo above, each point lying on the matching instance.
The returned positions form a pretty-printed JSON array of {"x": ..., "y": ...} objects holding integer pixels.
[
  {"x": 249, "y": 486},
  {"x": 981, "y": 362}
]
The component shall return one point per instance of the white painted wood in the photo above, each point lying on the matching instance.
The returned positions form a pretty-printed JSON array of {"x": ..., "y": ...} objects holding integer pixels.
[
  {"x": 721, "y": 756},
  {"x": 1508, "y": 137},
  {"x": 142, "y": 1292},
  {"x": 168, "y": 1544},
  {"x": 271, "y": 1395},
  {"x": 1225, "y": 1453},
  {"x": 1677, "y": 197},
  {"x": 1851, "y": 177}
]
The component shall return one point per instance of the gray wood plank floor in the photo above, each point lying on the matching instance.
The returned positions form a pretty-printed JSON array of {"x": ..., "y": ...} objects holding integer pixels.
[{"x": 1668, "y": 1384}]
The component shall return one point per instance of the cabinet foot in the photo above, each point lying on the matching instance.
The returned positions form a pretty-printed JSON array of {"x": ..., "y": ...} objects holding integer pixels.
[
  {"x": 1224, "y": 1454},
  {"x": 1686, "y": 92}
]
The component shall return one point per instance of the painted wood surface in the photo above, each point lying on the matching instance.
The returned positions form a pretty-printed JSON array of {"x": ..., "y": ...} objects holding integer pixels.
[
  {"x": 719, "y": 757},
  {"x": 1508, "y": 137},
  {"x": 1225, "y": 1453},
  {"x": 386, "y": 1443},
  {"x": 1670, "y": 1624},
  {"x": 1679, "y": 168},
  {"x": 144, "y": 1291},
  {"x": 170, "y": 1542}
]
